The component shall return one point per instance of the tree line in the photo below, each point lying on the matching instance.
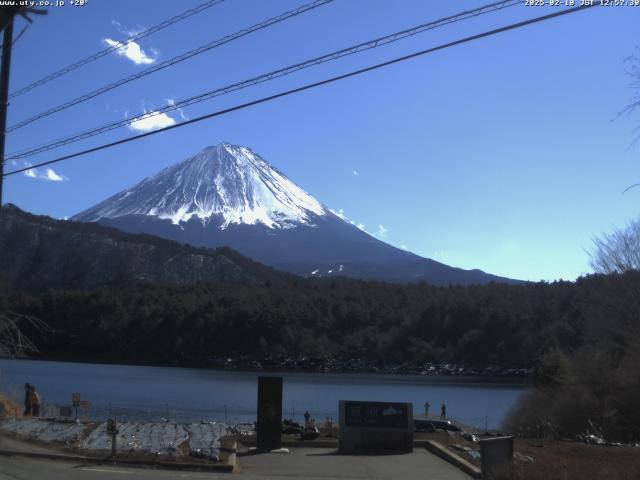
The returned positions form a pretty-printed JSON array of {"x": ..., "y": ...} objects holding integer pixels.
[{"x": 495, "y": 324}]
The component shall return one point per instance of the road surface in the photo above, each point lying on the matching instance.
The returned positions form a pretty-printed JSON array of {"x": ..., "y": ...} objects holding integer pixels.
[{"x": 307, "y": 463}]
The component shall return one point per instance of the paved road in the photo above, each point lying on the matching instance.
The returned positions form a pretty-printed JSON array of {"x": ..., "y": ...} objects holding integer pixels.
[
  {"x": 20, "y": 468},
  {"x": 324, "y": 463},
  {"x": 307, "y": 463},
  {"x": 7, "y": 443}
]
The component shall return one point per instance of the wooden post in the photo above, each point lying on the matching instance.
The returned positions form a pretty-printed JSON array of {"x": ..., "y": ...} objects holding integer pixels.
[{"x": 111, "y": 429}]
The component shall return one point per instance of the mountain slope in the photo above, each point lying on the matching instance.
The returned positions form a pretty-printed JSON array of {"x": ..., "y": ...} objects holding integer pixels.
[
  {"x": 226, "y": 183},
  {"x": 229, "y": 195},
  {"x": 39, "y": 252}
]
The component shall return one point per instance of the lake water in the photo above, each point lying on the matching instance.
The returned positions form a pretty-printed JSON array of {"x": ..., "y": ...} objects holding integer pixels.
[{"x": 191, "y": 394}]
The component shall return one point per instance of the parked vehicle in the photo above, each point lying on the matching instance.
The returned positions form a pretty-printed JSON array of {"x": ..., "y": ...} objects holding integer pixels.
[
  {"x": 427, "y": 425},
  {"x": 291, "y": 427}
]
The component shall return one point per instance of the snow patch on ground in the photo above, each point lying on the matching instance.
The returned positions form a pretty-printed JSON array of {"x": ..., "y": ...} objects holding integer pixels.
[
  {"x": 157, "y": 438},
  {"x": 204, "y": 438},
  {"x": 67, "y": 432}
]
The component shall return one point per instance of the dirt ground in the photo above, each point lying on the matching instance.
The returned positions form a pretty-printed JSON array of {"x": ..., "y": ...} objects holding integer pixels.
[
  {"x": 572, "y": 460},
  {"x": 557, "y": 460}
]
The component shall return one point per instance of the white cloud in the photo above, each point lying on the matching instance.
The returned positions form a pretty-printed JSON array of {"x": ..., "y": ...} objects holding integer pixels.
[
  {"x": 50, "y": 175},
  {"x": 380, "y": 234},
  {"x": 355, "y": 173},
  {"x": 53, "y": 176},
  {"x": 151, "y": 121},
  {"x": 403, "y": 247},
  {"x": 339, "y": 213},
  {"x": 171, "y": 102},
  {"x": 132, "y": 51},
  {"x": 129, "y": 32}
]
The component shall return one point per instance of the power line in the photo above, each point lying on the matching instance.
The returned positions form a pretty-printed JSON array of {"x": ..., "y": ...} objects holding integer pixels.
[
  {"x": 375, "y": 43},
  {"x": 106, "y": 51},
  {"x": 269, "y": 76},
  {"x": 309, "y": 86},
  {"x": 167, "y": 63}
]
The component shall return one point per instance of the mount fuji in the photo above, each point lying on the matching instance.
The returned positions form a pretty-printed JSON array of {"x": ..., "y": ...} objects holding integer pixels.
[{"x": 227, "y": 195}]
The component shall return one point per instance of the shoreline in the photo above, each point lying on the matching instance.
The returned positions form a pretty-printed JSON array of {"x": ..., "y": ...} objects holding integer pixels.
[{"x": 465, "y": 377}]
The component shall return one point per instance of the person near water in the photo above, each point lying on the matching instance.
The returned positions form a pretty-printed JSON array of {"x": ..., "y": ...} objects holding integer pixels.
[
  {"x": 307, "y": 416},
  {"x": 35, "y": 402},
  {"x": 426, "y": 409},
  {"x": 443, "y": 412},
  {"x": 27, "y": 403}
]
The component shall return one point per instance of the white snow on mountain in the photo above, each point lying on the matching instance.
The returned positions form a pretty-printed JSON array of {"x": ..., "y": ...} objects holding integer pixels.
[{"x": 230, "y": 182}]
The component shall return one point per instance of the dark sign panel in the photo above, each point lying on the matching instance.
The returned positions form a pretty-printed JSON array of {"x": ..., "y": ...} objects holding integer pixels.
[
  {"x": 376, "y": 415},
  {"x": 269, "y": 412},
  {"x": 75, "y": 399}
]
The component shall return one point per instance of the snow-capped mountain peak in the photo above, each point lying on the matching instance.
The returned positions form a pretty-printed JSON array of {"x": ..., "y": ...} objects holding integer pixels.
[
  {"x": 229, "y": 182},
  {"x": 227, "y": 195}
]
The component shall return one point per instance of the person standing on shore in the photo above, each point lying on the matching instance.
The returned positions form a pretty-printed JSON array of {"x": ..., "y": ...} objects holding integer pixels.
[
  {"x": 443, "y": 412},
  {"x": 307, "y": 416},
  {"x": 27, "y": 400},
  {"x": 426, "y": 409},
  {"x": 35, "y": 402}
]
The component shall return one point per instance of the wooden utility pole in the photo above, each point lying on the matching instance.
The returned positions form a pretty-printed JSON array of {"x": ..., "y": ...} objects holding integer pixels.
[{"x": 5, "y": 67}]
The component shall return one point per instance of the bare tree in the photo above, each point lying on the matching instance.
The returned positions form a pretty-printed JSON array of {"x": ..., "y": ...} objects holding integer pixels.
[
  {"x": 632, "y": 68},
  {"x": 618, "y": 251},
  {"x": 13, "y": 341}
]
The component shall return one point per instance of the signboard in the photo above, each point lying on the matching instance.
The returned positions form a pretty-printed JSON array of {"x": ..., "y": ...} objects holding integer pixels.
[
  {"x": 75, "y": 400},
  {"x": 367, "y": 427},
  {"x": 376, "y": 415},
  {"x": 85, "y": 405}
]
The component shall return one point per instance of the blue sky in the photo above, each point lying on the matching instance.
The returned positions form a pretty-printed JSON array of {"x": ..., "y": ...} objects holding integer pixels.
[{"x": 504, "y": 154}]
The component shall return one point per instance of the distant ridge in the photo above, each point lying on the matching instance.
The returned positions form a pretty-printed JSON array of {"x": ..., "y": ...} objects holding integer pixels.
[{"x": 39, "y": 252}]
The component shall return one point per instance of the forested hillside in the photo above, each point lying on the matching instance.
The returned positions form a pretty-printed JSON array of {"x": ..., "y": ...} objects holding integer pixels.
[
  {"x": 39, "y": 252},
  {"x": 508, "y": 325}
]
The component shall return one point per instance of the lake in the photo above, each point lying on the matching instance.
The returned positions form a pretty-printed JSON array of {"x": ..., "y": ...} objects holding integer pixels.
[{"x": 193, "y": 394}]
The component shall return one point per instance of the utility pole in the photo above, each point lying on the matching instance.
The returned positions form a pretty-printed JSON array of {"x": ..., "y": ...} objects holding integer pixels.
[
  {"x": 5, "y": 67},
  {"x": 7, "y": 43}
]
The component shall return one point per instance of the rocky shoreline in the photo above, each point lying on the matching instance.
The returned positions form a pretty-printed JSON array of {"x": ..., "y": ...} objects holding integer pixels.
[
  {"x": 356, "y": 365},
  {"x": 284, "y": 363}
]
